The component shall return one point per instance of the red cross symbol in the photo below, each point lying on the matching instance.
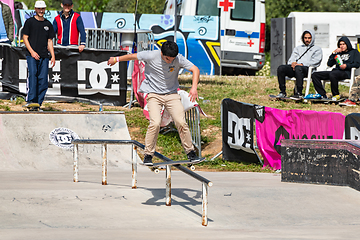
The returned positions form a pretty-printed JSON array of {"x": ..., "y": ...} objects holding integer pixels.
[
  {"x": 250, "y": 43},
  {"x": 226, "y": 4}
]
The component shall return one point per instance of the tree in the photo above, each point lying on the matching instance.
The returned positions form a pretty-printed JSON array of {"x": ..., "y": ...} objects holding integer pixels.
[
  {"x": 144, "y": 6},
  {"x": 282, "y": 8}
]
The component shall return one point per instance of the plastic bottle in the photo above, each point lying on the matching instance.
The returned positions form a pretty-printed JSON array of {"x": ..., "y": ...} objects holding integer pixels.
[{"x": 338, "y": 60}]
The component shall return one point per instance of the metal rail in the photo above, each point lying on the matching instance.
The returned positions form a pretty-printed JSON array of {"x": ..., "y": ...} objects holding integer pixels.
[{"x": 135, "y": 144}]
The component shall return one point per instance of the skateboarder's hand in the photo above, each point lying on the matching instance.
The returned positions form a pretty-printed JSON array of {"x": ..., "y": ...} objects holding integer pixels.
[
  {"x": 111, "y": 61},
  {"x": 52, "y": 62},
  {"x": 193, "y": 94},
  {"x": 35, "y": 55},
  {"x": 343, "y": 66}
]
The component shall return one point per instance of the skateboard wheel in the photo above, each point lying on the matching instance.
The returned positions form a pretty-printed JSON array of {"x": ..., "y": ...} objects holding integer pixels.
[
  {"x": 156, "y": 171},
  {"x": 192, "y": 168}
]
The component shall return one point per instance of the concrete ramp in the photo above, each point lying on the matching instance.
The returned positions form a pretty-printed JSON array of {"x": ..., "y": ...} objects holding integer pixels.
[{"x": 42, "y": 140}]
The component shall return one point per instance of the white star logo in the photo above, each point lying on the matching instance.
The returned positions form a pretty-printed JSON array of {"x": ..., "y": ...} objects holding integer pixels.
[
  {"x": 115, "y": 78},
  {"x": 56, "y": 77},
  {"x": 248, "y": 137}
]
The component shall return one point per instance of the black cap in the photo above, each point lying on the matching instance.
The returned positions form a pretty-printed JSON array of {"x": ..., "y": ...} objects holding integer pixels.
[{"x": 69, "y": 2}]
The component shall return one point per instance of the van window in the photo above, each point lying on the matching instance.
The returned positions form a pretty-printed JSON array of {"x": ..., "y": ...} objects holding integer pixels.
[
  {"x": 207, "y": 8},
  {"x": 244, "y": 10}
]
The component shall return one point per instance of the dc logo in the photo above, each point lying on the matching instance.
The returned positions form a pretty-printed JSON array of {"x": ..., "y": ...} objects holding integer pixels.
[
  {"x": 239, "y": 133},
  {"x": 62, "y": 137},
  {"x": 96, "y": 78}
]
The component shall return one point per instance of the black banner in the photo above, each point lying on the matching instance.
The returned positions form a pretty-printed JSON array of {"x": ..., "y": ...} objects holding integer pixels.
[
  {"x": 238, "y": 131},
  {"x": 352, "y": 126},
  {"x": 78, "y": 75}
]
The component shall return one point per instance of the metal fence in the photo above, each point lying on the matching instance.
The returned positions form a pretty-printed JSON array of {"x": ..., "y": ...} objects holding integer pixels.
[{"x": 192, "y": 117}]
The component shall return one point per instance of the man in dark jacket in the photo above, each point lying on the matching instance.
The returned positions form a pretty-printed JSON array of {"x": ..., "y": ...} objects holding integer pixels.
[{"x": 344, "y": 57}]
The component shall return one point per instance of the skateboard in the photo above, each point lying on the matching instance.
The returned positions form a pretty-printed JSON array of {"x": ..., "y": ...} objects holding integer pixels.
[
  {"x": 285, "y": 98},
  {"x": 190, "y": 164},
  {"x": 326, "y": 101},
  {"x": 32, "y": 107}
]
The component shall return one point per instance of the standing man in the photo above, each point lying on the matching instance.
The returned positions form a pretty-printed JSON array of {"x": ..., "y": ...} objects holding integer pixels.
[
  {"x": 68, "y": 25},
  {"x": 6, "y": 24},
  {"x": 301, "y": 59},
  {"x": 344, "y": 58},
  {"x": 38, "y": 34},
  {"x": 161, "y": 84}
]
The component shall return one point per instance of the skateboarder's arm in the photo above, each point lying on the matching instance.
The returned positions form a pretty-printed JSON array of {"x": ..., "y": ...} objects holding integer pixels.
[
  {"x": 51, "y": 50},
  {"x": 122, "y": 58},
  {"x": 193, "y": 94}
]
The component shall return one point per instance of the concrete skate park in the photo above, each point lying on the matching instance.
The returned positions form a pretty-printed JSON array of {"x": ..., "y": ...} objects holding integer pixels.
[{"x": 40, "y": 200}]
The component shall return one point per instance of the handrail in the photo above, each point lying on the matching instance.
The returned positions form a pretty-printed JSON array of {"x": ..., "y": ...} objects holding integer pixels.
[
  {"x": 142, "y": 146},
  {"x": 104, "y": 142}
]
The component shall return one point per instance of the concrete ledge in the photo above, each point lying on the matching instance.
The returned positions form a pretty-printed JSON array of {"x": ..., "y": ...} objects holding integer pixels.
[
  {"x": 334, "y": 162},
  {"x": 27, "y": 140}
]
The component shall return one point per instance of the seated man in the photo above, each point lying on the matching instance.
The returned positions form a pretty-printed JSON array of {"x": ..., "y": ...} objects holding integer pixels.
[
  {"x": 298, "y": 65},
  {"x": 344, "y": 57}
]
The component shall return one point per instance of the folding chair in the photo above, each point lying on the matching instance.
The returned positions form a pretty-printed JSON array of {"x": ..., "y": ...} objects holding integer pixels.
[
  {"x": 349, "y": 81},
  {"x": 306, "y": 79}
]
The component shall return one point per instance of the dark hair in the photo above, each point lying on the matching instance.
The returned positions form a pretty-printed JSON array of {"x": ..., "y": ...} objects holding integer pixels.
[
  {"x": 18, "y": 5},
  {"x": 169, "y": 49},
  {"x": 303, "y": 35}
]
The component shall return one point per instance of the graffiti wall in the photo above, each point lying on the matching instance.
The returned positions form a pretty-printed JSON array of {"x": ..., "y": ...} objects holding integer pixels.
[{"x": 197, "y": 36}]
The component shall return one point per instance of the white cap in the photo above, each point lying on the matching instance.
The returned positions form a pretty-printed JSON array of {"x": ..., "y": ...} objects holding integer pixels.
[{"x": 40, "y": 4}]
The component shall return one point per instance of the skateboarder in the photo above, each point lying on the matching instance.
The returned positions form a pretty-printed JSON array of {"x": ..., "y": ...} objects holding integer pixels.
[
  {"x": 38, "y": 34},
  {"x": 301, "y": 59},
  {"x": 161, "y": 84}
]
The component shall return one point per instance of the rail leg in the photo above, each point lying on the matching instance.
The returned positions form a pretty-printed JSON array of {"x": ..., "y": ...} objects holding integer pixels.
[
  {"x": 134, "y": 166},
  {"x": 168, "y": 185},
  {"x": 104, "y": 163},
  {"x": 76, "y": 158},
  {"x": 204, "y": 204}
]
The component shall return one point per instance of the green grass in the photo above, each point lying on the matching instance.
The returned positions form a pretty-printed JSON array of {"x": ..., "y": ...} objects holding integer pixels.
[{"x": 213, "y": 89}]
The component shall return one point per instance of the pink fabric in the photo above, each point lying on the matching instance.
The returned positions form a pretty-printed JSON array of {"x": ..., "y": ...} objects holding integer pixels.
[
  {"x": 138, "y": 77},
  {"x": 300, "y": 125}
]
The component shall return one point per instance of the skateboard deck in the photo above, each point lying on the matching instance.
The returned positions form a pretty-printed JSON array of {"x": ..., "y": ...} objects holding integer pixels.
[
  {"x": 177, "y": 162},
  {"x": 285, "y": 98},
  {"x": 326, "y": 101},
  {"x": 32, "y": 107},
  {"x": 155, "y": 167}
]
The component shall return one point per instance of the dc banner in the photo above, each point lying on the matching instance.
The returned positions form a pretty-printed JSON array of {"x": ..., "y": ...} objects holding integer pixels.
[
  {"x": 294, "y": 124},
  {"x": 352, "y": 126},
  {"x": 238, "y": 131},
  {"x": 77, "y": 75}
]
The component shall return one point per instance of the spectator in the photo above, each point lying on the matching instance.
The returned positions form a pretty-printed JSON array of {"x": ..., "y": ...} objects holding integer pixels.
[
  {"x": 161, "y": 83},
  {"x": 348, "y": 58},
  {"x": 68, "y": 24},
  {"x": 301, "y": 59},
  {"x": 38, "y": 34},
  {"x": 6, "y": 24}
]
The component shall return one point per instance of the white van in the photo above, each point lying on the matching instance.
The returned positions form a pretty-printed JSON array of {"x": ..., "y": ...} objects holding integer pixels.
[{"x": 242, "y": 30}]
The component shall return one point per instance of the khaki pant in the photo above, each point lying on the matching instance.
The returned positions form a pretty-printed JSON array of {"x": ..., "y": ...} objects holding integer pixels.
[{"x": 172, "y": 103}]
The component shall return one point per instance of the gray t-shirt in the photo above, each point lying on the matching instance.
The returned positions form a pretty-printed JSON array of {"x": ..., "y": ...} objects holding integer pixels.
[{"x": 160, "y": 77}]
